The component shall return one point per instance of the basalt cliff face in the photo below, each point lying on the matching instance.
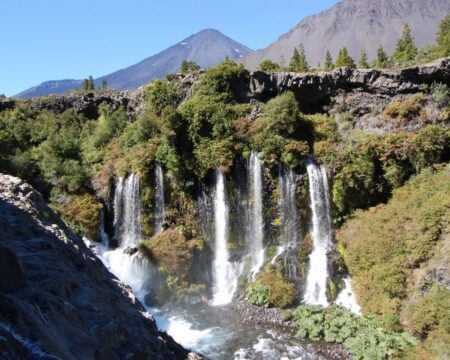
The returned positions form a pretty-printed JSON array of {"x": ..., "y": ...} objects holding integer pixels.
[
  {"x": 57, "y": 300},
  {"x": 312, "y": 90}
]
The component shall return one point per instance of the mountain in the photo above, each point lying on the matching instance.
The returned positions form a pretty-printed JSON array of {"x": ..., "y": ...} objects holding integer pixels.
[
  {"x": 207, "y": 47},
  {"x": 356, "y": 24}
]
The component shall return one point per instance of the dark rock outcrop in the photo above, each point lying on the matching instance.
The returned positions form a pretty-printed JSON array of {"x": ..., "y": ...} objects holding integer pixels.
[
  {"x": 70, "y": 305},
  {"x": 312, "y": 90},
  {"x": 315, "y": 89}
]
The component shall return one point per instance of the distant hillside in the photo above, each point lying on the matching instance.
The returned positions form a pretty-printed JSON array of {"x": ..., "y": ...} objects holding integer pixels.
[
  {"x": 207, "y": 48},
  {"x": 357, "y": 24}
]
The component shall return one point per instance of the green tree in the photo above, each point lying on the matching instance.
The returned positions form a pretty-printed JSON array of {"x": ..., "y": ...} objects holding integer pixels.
[
  {"x": 91, "y": 83},
  {"x": 443, "y": 37},
  {"x": 298, "y": 60},
  {"x": 85, "y": 86},
  {"x": 104, "y": 84},
  {"x": 363, "y": 62},
  {"x": 382, "y": 58},
  {"x": 344, "y": 59},
  {"x": 189, "y": 66},
  {"x": 406, "y": 48},
  {"x": 295, "y": 60},
  {"x": 268, "y": 66},
  {"x": 329, "y": 65}
]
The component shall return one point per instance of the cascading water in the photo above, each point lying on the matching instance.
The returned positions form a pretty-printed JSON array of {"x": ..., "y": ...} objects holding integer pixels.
[
  {"x": 347, "y": 298},
  {"x": 159, "y": 199},
  {"x": 124, "y": 261},
  {"x": 316, "y": 284},
  {"x": 289, "y": 216},
  {"x": 255, "y": 229},
  {"x": 225, "y": 273}
]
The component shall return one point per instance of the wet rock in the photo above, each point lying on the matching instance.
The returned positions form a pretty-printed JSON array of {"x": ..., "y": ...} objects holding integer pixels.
[
  {"x": 12, "y": 275},
  {"x": 69, "y": 302}
]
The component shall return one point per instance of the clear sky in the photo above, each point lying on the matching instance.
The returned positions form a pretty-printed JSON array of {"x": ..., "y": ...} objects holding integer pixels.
[{"x": 71, "y": 39}]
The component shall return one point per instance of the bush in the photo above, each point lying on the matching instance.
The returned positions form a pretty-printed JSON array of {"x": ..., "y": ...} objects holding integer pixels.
[
  {"x": 407, "y": 109},
  {"x": 363, "y": 336},
  {"x": 160, "y": 94},
  {"x": 440, "y": 95},
  {"x": 81, "y": 212},
  {"x": 271, "y": 289},
  {"x": 268, "y": 66}
]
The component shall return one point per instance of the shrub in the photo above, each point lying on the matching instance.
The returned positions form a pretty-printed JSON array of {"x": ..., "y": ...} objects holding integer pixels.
[
  {"x": 407, "y": 109},
  {"x": 440, "y": 95},
  {"x": 271, "y": 289},
  {"x": 268, "y": 66},
  {"x": 81, "y": 212},
  {"x": 160, "y": 94},
  {"x": 172, "y": 251},
  {"x": 363, "y": 336}
]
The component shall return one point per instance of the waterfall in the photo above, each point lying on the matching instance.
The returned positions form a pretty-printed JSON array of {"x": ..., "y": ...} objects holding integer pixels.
[
  {"x": 225, "y": 273},
  {"x": 104, "y": 238},
  {"x": 255, "y": 228},
  {"x": 125, "y": 261},
  {"x": 159, "y": 209},
  {"x": 347, "y": 299},
  {"x": 316, "y": 284},
  {"x": 127, "y": 211},
  {"x": 289, "y": 217}
]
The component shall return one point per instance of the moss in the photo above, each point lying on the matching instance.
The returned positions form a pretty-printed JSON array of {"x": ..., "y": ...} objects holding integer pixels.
[{"x": 81, "y": 212}]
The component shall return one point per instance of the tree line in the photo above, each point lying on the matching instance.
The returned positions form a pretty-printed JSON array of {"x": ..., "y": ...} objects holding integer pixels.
[{"x": 405, "y": 51}]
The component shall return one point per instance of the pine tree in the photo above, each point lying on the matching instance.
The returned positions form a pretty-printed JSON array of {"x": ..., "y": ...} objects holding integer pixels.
[
  {"x": 85, "y": 86},
  {"x": 344, "y": 59},
  {"x": 328, "y": 62},
  {"x": 443, "y": 37},
  {"x": 406, "y": 48},
  {"x": 104, "y": 84},
  {"x": 303, "y": 63},
  {"x": 91, "y": 83},
  {"x": 382, "y": 58},
  {"x": 363, "y": 62},
  {"x": 295, "y": 60}
]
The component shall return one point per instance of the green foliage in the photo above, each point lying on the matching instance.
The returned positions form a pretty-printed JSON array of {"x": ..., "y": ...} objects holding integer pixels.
[
  {"x": 271, "y": 289},
  {"x": 443, "y": 37},
  {"x": 88, "y": 84},
  {"x": 407, "y": 109},
  {"x": 189, "y": 67},
  {"x": 382, "y": 58},
  {"x": 363, "y": 62},
  {"x": 281, "y": 131},
  {"x": 258, "y": 295},
  {"x": 81, "y": 212},
  {"x": 268, "y": 66},
  {"x": 344, "y": 59},
  {"x": 440, "y": 95},
  {"x": 173, "y": 252},
  {"x": 406, "y": 49},
  {"x": 161, "y": 94},
  {"x": 363, "y": 336},
  {"x": 385, "y": 243},
  {"x": 298, "y": 61},
  {"x": 329, "y": 65}
]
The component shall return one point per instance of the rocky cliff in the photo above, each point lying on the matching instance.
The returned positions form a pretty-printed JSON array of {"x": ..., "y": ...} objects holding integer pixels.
[
  {"x": 57, "y": 300},
  {"x": 312, "y": 90}
]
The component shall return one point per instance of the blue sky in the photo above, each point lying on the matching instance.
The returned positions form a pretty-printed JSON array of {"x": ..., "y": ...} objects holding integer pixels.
[{"x": 60, "y": 39}]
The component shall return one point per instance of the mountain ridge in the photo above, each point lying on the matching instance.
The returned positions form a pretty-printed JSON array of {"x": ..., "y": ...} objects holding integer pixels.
[
  {"x": 378, "y": 22},
  {"x": 206, "y": 47}
]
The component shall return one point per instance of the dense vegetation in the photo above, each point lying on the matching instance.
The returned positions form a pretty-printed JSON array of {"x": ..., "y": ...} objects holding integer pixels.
[
  {"x": 392, "y": 251},
  {"x": 74, "y": 160}
]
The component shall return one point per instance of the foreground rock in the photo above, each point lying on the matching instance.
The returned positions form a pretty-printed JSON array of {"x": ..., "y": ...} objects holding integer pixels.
[{"x": 57, "y": 300}]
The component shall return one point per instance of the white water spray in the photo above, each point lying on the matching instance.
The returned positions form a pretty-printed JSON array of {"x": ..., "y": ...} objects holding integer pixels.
[
  {"x": 289, "y": 218},
  {"x": 225, "y": 273},
  {"x": 159, "y": 210},
  {"x": 316, "y": 284},
  {"x": 255, "y": 230},
  {"x": 347, "y": 298}
]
